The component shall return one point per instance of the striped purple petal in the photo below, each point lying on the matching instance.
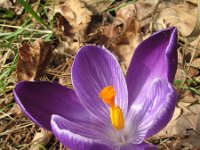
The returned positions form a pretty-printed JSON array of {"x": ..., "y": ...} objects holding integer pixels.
[
  {"x": 39, "y": 100},
  {"x": 93, "y": 69},
  {"x": 155, "y": 57},
  {"x": 73, "y": 137},
  {"x": 76, "y": 141},
  {"x": 156, "y": 111}
]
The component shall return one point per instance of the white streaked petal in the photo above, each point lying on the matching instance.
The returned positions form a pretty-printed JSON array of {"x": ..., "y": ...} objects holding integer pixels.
[
  {"x": 93, "y": 69},
  {"x": 160, "y": 99}
]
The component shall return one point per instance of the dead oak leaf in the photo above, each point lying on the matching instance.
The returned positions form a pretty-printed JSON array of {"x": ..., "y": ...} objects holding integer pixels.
[
  {"x": 188, "y": 120},
  {"x": 145, "y": 8},
  {"x": 196, "y": 63},
  {"x": 40, "y": 138},
  {"x": 181, "y": 16},
  {"x": 194, "y": 68},
  {"x": 126, "y": 44},
  {"x": 98, "y": 6},
  {"x": 128, "y": 35},
  {"x": 189, "y": 142},
  {"x": 77, "y": 14},
  {"x": 33, "y": 59}
]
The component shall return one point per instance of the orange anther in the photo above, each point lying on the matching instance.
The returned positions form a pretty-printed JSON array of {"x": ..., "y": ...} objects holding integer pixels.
[{"x": 107, "y": 94}]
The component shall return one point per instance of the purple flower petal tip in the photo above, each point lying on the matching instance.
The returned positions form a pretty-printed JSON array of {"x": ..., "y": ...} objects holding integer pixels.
[
  {"x": 143, "y": 100},
  {"x": 39, "y": 100},
  {"x": 93, "y": 69}
]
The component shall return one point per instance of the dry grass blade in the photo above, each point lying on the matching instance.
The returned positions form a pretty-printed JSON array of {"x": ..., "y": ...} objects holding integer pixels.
[{"x": 196, "y": 30}]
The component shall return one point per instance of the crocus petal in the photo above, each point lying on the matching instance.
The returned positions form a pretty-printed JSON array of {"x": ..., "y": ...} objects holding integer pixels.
[
  {"x": 72, "y": 135},
  {"x": 142, "y": 146},
  {"x": 93, "y": 130},
  {"x": 162, "y": 111},
  {"x": 155, "y": 113},
  {"x": 39, "y": 100},
  {"x": 155, "y": 57},
  {"x": 93, "y": 69}
]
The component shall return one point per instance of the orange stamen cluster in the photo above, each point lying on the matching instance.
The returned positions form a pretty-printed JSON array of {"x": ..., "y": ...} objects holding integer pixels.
[{"x": 107, "y": 94}]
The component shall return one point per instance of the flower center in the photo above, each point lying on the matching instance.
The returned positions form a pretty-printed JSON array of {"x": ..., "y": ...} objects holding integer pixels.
[{"x": 107, "y": 94}]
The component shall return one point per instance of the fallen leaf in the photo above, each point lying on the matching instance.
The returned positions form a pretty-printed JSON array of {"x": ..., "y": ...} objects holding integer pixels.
[
  {"x": 196, "y": 44},
  {"x": 5, "y": 4},
  {"x": 40, "y": 138},
  {"x": 123, "y": 34},
  {"x": 98, "y": 6},
  {"x": 187, "y": 97},
  {"x": 12, "y": 6},
  {"x": 33, "y": 59},
  {"x": 196, "y": 63},
  {"x": 188, "y": 120},
  {"x": 181, "y": 16},
  {"x": 77, "y": 15},
  {"x": 177, "y": 113},
  {"x": 63, "y": 27},
  {"x": 194, "y": 68},
  {"x": 16, "y": 110},
  {"x": 197, "y": 97},
  {"x": 190, "y": 143},
  {"x": 67, "y": 46},
  {"x": 192, "y": 1},
  {"x": 125, "y": 46},
  {"x": 192, "y": 72},
  {"x": 145, "y": 8}
]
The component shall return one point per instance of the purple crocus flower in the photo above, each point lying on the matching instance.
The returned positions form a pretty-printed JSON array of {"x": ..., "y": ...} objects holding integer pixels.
[{"x": 107, "y": 111}]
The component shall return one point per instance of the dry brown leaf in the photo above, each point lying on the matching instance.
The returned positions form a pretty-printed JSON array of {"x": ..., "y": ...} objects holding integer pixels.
[
  {"x": 187, "y": 97},
  {"x": 13, "y": 6},
  {"x": 145, "y": 8},
  {"x": 192, "y": 1},
  {"x": 16, "y": 110},
  {"x": 40, "y": 138},
  {"x": 63, "y": 27},
  {"x": 67, "y": 46},
  {"x": 5, "y": 4},
  {"x": 181, "y": 16},
  {"x": 128, "y": 42},
  {"x": 110, "y": 33},
  {"x": 192, "y": 72},
  {"x": 130, "y": 37},
  {"x": 196, "y": 44},
  {"x": 197, "y": 97},
  {"x": 122, "y": 35},
  {"x": 98, "y": 6},
  {"x": 76, "y": 13},
  {"x": 189, "y": 120},
  {"x": 129, "y": 11},
  {"x": 31, "y": 64},
  {"x": 194, "y": 68},
  {"x": 189, "y": 143},
  {"x": 196, "y": 63},
  {"x": 33, "y": 59}
]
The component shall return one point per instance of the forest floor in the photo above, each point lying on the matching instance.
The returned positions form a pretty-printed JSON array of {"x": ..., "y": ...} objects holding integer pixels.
[{"x": 39, "y": 39}]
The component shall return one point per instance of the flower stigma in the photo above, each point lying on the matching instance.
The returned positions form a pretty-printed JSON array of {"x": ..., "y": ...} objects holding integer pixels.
[{"x": 107, "y": 94}]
